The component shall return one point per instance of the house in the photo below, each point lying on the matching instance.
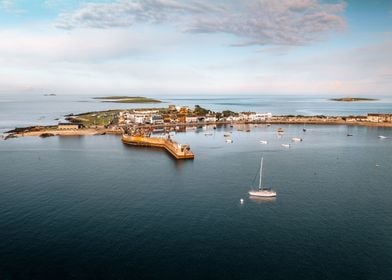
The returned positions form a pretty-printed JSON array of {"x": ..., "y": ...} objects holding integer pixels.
[
  {"x": 139, "y": 118},
  {"x": 63, "y": 126},
  {"x": 181, "y": 118},
  {"x": 172, "y": 108},
  {"x": 254, "y": 117},
  {"x": 183, "y": 110},
  {"x": 191, "y": 119},
  {"x": 379, "y": 117},
  {"x": 156, "y": 119},
  {"x": 211, "y": 118},
  {"x": 356, "y": 119}
]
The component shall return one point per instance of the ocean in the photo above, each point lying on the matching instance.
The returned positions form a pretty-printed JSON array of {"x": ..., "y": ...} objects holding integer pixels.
[
  {"x": 37, "y": 109},
  {"x": 94, "y": 208}
]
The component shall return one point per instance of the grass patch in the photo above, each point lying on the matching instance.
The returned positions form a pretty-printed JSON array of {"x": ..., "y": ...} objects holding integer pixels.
[
  {"x": 102, "y": 118},
  {"x": 128, "y": 99}
]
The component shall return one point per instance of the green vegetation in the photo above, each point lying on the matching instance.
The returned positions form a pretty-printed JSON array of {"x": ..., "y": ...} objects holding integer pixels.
[
  {"x": 228, "y": 113},
  {"x": 103, "y": 118},
  {"x": 200, "y": 111},
  {"x": 351, "y": 99},
  {"x": 127, "y": 99}
]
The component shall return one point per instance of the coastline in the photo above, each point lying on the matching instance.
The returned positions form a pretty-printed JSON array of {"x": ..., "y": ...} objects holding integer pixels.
[{"x": 48, "y": 131}]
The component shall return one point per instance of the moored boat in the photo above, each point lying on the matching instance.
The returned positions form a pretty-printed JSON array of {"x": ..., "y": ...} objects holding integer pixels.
[
  {"x": 296, "y": 139},
  {"x": 262, "y": 192}
]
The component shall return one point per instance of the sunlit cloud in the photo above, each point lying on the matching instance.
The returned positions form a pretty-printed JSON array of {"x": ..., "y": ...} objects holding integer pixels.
[{"x": 253, "y": 22}]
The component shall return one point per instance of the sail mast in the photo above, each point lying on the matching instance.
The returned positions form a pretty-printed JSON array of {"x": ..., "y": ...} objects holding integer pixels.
[{"x": 261, "y": 169}]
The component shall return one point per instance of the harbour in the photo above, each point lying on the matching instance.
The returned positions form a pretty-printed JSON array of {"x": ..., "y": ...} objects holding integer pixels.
[
  {"x": 179, "y": 151},
  {"x": 119, "y": 215}
]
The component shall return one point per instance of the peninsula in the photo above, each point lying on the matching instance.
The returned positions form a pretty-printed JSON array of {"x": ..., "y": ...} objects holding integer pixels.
[
  {"x": 353, "y": 99},
  {"x": 179, "y": 118},
  {"x": 128, "y": 99}
]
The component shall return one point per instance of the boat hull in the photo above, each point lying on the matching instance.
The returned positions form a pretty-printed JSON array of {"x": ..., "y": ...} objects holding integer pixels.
[{"x": 262, "y": 193}]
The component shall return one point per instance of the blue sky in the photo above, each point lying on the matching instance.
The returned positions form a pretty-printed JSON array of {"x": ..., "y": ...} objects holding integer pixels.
[{"x": 196, "y": 47}]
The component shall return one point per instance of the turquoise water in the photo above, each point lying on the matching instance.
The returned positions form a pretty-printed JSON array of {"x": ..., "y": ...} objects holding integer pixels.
[{"x": 93, "y": 208}]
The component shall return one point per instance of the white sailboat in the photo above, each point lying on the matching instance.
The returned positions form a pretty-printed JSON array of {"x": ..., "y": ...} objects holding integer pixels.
[{"x": 262, "y": 192}]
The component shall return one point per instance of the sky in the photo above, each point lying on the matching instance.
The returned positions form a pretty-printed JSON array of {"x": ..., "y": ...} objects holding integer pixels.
[{"x": 196, "y": 47}]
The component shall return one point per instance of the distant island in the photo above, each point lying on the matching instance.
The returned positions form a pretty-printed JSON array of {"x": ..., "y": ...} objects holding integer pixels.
[
  {"x": 128, "y": 99},
  {"x": 353, "y": 99}
]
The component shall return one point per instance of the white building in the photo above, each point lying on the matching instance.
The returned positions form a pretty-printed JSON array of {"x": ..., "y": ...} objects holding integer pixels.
[
  {"x": 210, "y": 118},
  {"x": 191, "y": 119},
  {"x": 259, "y": 116}
]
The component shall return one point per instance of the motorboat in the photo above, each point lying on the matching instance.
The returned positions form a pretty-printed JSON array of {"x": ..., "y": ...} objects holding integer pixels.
[{"x": 296, "y": 139}]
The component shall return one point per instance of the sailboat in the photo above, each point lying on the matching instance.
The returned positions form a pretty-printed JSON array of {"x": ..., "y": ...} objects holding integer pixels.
[
  {"x": 262, "y": 192},
  {"x": 304, "y": 129}
]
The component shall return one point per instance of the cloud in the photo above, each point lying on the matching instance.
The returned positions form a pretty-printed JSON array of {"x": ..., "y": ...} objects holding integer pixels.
[
  {"x": 253, "y": 22},
  {"x": 85, "y": 46},
  {"x": 7, "y": 5}
]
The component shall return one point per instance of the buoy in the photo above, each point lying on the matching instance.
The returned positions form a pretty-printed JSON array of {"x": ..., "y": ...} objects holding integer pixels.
[{"x": 242, "y": 201}]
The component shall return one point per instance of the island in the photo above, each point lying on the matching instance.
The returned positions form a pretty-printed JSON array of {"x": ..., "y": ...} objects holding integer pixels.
[
  {"x": 182, "y": 118},
  {"x": 353, "y": 99},
  {"x": 137, "y": 126},
  {"x": 128, "y": 99}
]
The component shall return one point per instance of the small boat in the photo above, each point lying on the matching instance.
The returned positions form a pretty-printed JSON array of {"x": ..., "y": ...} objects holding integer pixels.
[
  {"x": 296, "y": 139},
  {"x": 268, "y": 124},
  {"x": 286, "y": 145},
  {"x": 348, "y": 132},
  {"x": 280, "y": 130},
  {"x": 382, "y": 137},
  {"x": 262, "y": 192},
  {"x": 248, "y": 130},
  {"x": 208, "y": 134},
  {"x": 226, "y": 135},
  {"x": 263, "y": 142},
  {"x": 228, "y": 140}
]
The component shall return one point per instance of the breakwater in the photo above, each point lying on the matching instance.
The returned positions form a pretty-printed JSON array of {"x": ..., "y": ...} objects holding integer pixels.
[{"x": 179, "y": 151}]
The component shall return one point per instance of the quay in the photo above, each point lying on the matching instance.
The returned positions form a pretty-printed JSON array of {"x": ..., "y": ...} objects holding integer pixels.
[{"x": 179, "y": 151}]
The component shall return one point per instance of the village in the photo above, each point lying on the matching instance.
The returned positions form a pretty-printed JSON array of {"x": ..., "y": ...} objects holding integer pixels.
[{"x": 181, "y": 118}]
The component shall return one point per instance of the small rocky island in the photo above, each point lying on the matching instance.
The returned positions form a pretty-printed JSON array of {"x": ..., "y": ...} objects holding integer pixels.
[
  {"x": 353, "y": 99},
  {"x": 128, "y": 99}
]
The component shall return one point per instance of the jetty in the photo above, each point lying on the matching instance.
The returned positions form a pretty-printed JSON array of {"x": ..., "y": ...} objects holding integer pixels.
[{"x": 179, "y": 151}]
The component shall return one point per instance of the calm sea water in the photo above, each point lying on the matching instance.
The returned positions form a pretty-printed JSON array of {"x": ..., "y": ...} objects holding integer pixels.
[
  {"x": 93, "y": 208},
  {"x": 33, "y": 109}
]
